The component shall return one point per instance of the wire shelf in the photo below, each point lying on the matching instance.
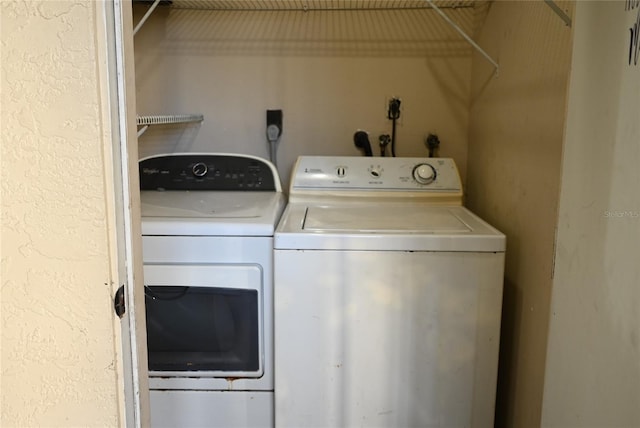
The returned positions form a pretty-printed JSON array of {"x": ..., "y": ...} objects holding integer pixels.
[
  {"x": 146, "y": 121},
  {"x": 316, "y": 5},
  {"x": 169, "y": 119}
]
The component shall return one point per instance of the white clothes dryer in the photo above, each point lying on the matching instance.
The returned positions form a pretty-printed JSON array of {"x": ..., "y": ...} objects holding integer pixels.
[
  {"x": 208, "y": 222},
  {"x": 388, "y": 297}
]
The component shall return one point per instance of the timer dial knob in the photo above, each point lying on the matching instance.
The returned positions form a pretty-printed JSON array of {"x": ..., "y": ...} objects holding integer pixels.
[
  {"x": 199, "y": 169},
  {"x": 424, "y": 173},
  {"x": 376, "y": 172}
]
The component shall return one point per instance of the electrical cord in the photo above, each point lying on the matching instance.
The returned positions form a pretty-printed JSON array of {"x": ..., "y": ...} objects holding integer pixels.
[
  {"x": 384, "y": 140},
  {"x": 273, "y": 135},
  {"x": 393, "y": 114},
  {"x": 432, "y": 142}
]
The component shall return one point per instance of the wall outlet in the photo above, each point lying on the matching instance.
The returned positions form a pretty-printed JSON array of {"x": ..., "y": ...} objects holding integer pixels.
[
  {"x": 274, "y": 117},
  {"x": 394, "y": 108}
]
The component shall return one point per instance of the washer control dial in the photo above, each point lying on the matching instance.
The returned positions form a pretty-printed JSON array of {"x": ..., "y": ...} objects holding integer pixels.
[
  {"x": 424, "y": 173},
  {"x": 375, "y": 171},
  {"x": 199, "y": 169}
]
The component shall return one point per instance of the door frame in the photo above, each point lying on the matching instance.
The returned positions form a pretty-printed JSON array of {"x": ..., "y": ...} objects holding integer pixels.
[{"x": 115, "y": 52}]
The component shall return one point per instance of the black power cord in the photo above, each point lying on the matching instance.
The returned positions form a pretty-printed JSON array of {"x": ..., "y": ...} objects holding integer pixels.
[
  {"x": 393, "y": 113},
  {"x": 432, "y": 143}
]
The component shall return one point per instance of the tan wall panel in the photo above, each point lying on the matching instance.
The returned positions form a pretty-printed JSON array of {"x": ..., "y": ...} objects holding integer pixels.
[
  {"x": 593, "y": 360},
  {"x": 514, "y": 158}
]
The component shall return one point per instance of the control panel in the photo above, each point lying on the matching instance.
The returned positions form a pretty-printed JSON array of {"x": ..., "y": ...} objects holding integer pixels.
[
  {"x": 372, "y": 173},
  {"x": 193, "y": 171}
]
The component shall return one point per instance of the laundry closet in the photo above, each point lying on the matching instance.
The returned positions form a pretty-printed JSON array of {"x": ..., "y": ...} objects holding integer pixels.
[
  {"x": 331, "y": 67},
  {"x": 207, "y": 72}
]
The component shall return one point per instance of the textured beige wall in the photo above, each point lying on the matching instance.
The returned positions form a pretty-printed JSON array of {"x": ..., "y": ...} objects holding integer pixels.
[
  {"x": 58, "y": 359},
  {"x": 593, "y": 362},
  {"x": 330, "y": 72},
  {"x": 514, "y": 158}
]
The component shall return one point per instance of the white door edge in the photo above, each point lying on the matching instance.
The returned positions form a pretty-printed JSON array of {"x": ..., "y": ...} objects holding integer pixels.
[{"x": 116, "y": 64}]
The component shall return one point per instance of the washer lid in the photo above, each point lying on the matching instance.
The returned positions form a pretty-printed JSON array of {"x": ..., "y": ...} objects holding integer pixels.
[
  {"x": 385, "y": 226},
  {"x": 383, "y": 219},
  {"x": 204, "y": 213}
]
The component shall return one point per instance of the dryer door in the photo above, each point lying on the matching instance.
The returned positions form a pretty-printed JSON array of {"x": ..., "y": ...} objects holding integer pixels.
[{"x": 204, "y": 320}]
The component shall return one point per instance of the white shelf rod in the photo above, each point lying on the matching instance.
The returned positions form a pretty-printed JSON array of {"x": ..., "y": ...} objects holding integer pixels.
[
  {"x": 146, "y": 121},
  {"x": 167, "y": 119},
  {"x": 561, "y": 13},
  {"x": 146, "y": 16},
  {"x": 142, "y": 130},
  {"x": 463, "y": 34},
  {"x": 312, "y": 6}
]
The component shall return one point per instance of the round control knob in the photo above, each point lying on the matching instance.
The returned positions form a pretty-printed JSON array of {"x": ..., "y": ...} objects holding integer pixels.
[
  {"x": 424, "y": 173},
  {"x": 375, "y": 172},
  {"x": 200, "y": 169}
]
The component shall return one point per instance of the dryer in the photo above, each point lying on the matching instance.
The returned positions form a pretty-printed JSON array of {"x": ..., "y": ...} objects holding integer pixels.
[
  {"x": 388, "y": 297},
  {"x": 208, "y": 222}
]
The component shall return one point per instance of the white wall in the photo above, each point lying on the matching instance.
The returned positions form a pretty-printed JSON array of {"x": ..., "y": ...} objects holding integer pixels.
[
  {"x": 593, "y": 359},
  {"x": 515, "y": 146},
  {"x": 331, "y": 73},
  {"x": 58, "y": 357}
]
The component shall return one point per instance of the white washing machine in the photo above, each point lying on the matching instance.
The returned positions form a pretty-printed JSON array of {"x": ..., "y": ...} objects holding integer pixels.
[
  {"x": 208, "y": 222},
  {"x": 388, "y": 297}
]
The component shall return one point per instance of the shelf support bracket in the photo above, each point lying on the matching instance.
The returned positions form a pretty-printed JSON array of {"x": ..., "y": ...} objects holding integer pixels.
[
  {"x": 561, "y": 13},
  {"x": 146, "y": 16},
  {"x": 463, "y": 34},
  {"x": 142, "y": 130}
]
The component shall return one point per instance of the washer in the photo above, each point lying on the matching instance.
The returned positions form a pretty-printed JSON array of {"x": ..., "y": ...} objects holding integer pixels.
[
  {"x": 208, "y": 222},
  {"x": 388, "y": 297}
]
